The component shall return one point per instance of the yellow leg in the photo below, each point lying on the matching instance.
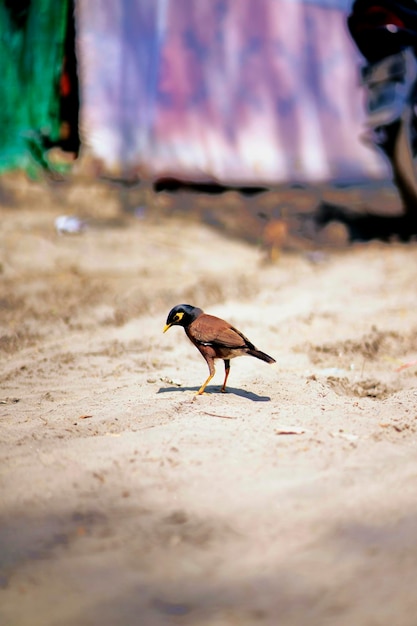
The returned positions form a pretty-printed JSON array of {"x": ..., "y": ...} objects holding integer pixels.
[
  {"x": 204, "y": 385},
  {"x": 210, "y": 363}
]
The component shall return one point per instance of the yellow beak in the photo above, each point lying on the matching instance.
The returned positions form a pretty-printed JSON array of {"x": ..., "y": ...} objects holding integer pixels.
[{"x": 166, "y": 327}]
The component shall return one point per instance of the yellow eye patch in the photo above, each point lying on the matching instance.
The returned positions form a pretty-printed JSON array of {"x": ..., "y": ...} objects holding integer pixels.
[{"x": 176, "y": 319}]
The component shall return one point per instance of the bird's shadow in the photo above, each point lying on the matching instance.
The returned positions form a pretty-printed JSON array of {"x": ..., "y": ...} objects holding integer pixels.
[{"x": 212, "y": 389}]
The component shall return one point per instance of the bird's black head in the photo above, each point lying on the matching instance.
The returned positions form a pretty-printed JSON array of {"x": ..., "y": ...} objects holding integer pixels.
[{"x": 182, "y": 315}]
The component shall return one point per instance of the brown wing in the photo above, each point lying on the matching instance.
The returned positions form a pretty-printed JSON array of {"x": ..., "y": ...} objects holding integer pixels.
[{"x": 208, "y": 329}]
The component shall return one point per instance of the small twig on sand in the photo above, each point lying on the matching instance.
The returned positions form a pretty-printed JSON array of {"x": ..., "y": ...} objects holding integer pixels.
[{"x": 226, "y": 417}]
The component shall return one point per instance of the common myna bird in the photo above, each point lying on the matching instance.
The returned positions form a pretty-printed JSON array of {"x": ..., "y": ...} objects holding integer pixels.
[{"x": 215, "y": 338}]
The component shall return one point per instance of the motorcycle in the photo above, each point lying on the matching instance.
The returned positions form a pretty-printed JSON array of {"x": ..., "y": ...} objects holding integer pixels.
[{"x": 385, "y": 32}]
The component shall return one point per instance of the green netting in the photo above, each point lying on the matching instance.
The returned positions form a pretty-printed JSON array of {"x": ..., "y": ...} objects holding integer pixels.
[{"x": 32, "y": 34}]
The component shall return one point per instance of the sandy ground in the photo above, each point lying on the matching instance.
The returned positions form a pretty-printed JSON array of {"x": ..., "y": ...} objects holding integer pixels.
[{"x": 125, "y": 499}]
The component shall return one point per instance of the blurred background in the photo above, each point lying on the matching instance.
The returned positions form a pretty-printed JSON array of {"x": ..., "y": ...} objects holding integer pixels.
[{"x": 165, "y": 96}]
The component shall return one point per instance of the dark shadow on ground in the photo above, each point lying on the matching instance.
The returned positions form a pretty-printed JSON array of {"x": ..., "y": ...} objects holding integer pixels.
[
  {"x": 243, "y": 393},
  {"x": 367, "y": 226}
]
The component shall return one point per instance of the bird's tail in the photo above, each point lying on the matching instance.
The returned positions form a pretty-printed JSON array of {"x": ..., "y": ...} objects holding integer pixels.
[{"x": 261, "y": 355}]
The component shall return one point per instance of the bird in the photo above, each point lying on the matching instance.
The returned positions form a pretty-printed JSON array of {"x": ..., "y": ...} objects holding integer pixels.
[
  {"x": 275, "y": 234},
  {"x": 214, "y": 338}
]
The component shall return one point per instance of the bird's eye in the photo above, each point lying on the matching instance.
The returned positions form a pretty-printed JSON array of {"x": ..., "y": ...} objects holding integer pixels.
[{"x": 178, "y": 316}]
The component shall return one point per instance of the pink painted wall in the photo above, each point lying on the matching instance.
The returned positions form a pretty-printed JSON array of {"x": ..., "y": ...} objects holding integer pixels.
[{"x": 240, "y": 91}]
